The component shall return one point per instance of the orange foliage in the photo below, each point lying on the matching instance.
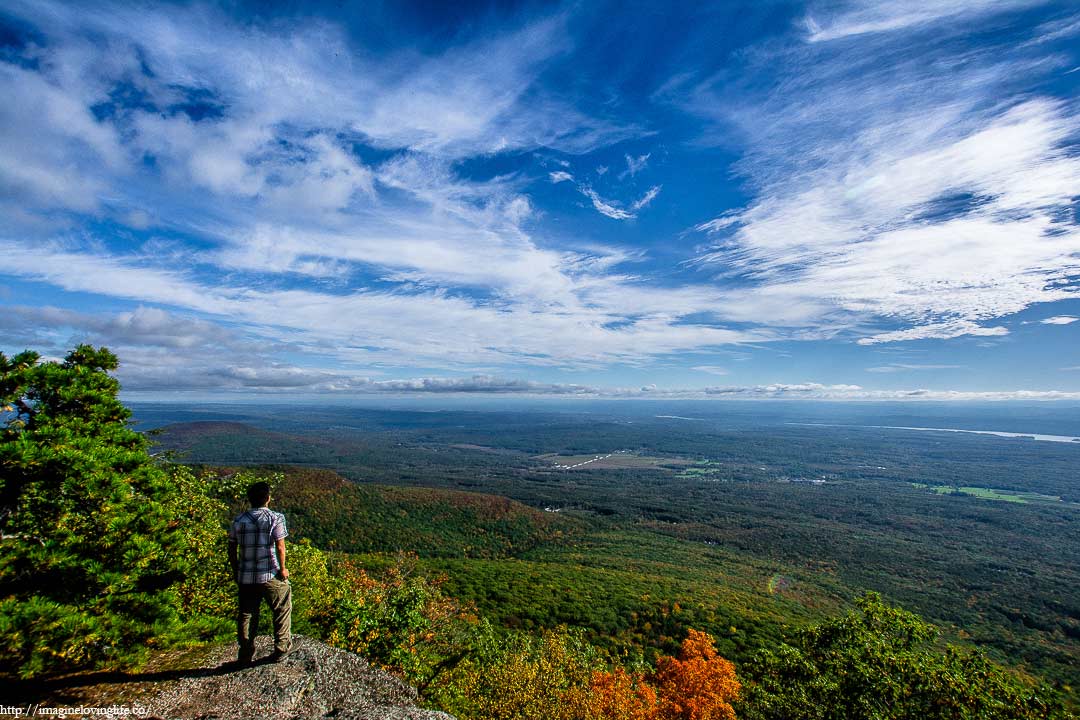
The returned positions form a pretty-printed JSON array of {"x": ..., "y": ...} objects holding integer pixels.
[
  {"x": 618, "y": 695},
  {"x": 697, "y": 685},
  {"x": 557, "y": 677}
]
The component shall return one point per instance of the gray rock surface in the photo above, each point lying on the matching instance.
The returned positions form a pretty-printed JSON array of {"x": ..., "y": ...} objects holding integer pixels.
[{"x": 313, "y": 681}]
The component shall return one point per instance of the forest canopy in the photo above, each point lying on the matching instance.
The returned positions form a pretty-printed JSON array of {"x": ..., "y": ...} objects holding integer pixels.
[{"x": 109, "y": 551}]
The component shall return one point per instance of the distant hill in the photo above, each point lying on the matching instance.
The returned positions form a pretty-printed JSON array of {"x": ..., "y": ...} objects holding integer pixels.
[
  {"x": 340, "y": 515},
  {"x": 236, "y": 443}
]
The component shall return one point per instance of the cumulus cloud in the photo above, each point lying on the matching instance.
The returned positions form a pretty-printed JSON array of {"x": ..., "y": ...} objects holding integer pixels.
[
  {"x": 1059, "y": 320},
  {"x": 139, "y": 329},
  {"x": 53, "y": 151},
  {"x": 163, "y": 351}
]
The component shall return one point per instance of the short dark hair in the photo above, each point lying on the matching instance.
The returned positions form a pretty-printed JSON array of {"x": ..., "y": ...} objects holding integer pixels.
[{"x": 259, "y": 493}]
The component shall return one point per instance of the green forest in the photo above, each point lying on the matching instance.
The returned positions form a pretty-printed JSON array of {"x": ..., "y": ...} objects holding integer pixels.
[{"x": 730, "y": 575}]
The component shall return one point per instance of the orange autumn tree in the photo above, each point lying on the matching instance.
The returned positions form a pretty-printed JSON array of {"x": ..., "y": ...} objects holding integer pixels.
[
  {"x": 698, "y": 684},
  {"x": 615, "y": 695}
]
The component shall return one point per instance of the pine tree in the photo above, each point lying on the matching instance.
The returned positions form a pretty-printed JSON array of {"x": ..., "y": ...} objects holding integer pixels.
[{"x": 88, "y": 550}]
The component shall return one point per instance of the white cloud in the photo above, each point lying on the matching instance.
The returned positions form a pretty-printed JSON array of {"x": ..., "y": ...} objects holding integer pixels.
[
  {"x": 163, "y": 352},
  {"x": 897, "y": 195},
  {"x": 1058, "y": 29},
  {"x": 405, "y": 260},
  {"x": 53, "y": 152},
  {"x": 817, "y": 391},
  {"x": 939, "y": 331},
  {"x": 141, "y": 327},
  {"x": 473, "y": 98},
  {"x": 111, "y": 277},
  {"x": 286, "y": 108},
  {"x": 612, "y": 209},
  {"x": 475, "y": 384},
  {"x": 645, "y": 199},
  {"x": 604, "y": 207},
  {"x": 717, "y": 224},
  {"x": 264, "y": 177},
  {"x": 872, "y": 16},
  {"x": 596, "y": 320},
  {"x": 328, "y": 179},
  {"x": 1059, "y": 320},
  {"x": 634, "y": 165},
  {"x": 159, "y": 350},
  {"x": 902, "y": 367},
  {"x": 277, "y": 378},
  {"x": 774, "y": 390},
  {"x": 710, "y": 369}
]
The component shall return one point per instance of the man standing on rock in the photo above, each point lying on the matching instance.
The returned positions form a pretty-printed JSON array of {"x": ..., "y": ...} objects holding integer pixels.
[{"x": 257, "y": 556}]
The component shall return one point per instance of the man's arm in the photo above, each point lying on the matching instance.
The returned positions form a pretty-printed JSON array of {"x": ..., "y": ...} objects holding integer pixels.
[{"x": 280, "y": 548}]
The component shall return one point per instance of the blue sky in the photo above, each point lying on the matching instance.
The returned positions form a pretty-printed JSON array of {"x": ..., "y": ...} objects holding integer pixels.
[{"x": 847, "y": 200}]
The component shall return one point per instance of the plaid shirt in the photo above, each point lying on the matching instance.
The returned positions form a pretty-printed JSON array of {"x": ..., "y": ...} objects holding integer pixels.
[{"x": 257, "y": 531}]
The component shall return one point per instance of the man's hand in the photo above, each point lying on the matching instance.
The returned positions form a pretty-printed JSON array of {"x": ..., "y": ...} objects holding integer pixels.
[{"x": 279, "y": 547}]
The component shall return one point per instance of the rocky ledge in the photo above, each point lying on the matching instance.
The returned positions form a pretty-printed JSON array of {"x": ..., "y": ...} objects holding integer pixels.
[{"x": 313, "y": 681}]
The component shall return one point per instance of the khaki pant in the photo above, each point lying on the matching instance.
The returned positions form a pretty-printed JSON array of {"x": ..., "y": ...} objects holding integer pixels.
[{"x": 278, "y": 595}]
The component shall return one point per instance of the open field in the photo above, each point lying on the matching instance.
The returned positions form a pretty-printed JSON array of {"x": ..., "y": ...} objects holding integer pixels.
[
  {"x": 616, "y": 460},
  {"x": 992, "y": 493}
]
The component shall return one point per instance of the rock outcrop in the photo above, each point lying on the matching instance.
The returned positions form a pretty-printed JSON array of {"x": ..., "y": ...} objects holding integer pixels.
[{"x": 313, "y": 681}]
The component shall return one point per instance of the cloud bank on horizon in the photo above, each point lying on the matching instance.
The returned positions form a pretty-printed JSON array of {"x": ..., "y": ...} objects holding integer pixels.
[{"x": 837, "y": 200}]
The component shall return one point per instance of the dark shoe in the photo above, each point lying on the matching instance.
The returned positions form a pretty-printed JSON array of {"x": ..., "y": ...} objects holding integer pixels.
[
  {"x": 245, "y": 656},
  {"x": 279, "y": 655},
  {"x": 238, "y": 664}
]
